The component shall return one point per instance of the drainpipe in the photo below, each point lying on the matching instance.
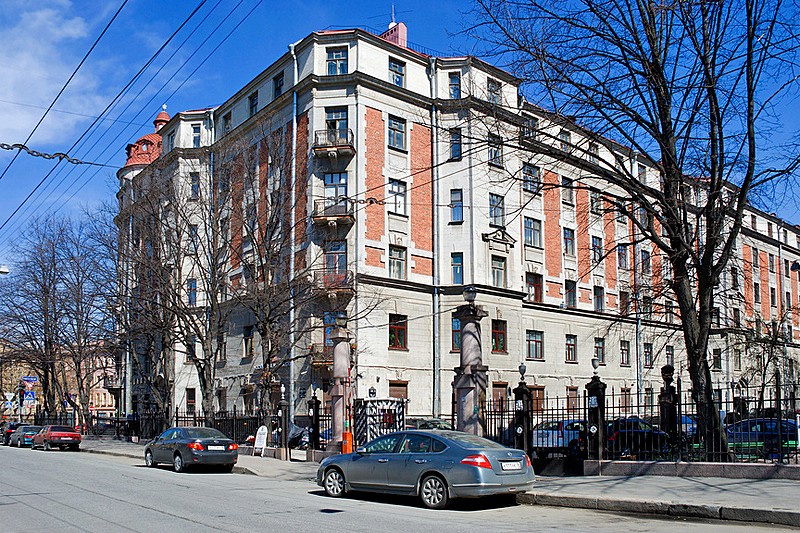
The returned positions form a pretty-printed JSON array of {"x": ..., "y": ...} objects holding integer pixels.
[
  {"x": 437, "y": 356},
  {"x": 292, "y": 238}
]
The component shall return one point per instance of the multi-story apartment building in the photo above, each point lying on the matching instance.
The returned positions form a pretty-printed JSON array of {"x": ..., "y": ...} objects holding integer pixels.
[{"x": 412, "y": 176}]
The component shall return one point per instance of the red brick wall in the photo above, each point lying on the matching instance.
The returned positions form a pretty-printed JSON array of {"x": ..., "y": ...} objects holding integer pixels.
[
  {"x": 422, "y": 265},
  {"x": 747, "y": 276},
  {"x": 237, "y": 195},
  {"x": 374, "y": 155},
  {"x": 551, "y": 196},
  {"x": 609, "y": 241},
  {"x": 764, "y": 275},
  {"x": 422, "y": 196},
  {"x": 301, "y": 189},
  {"x": 582, "y": 238},
  {"x": 374, "y": 257}
]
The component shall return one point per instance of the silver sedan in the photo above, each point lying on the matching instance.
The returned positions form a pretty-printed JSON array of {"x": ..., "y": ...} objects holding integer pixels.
[{"x": 434, "y": 465}]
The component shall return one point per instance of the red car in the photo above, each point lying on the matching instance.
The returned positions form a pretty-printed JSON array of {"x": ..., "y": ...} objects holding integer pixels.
[{"x": 63, "y": 437}]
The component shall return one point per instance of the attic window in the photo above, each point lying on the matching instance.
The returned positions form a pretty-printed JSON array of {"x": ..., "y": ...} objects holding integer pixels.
[{"x": 145, "y": 146}]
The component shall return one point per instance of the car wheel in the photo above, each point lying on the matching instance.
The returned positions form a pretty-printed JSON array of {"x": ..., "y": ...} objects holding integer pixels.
[
  {"x": 148, "y": 459},
  {"x": 334, "y": 483},
  {"x": 227, "y": 468},
  {"x": 19, "y": 444},
  {"x": 177, "y": 463},
  {"x": 433, "y": 492},
  {"x": 47, "y": 447}
]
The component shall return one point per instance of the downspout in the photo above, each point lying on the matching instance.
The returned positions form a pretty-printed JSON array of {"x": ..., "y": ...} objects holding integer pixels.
[
  {"x": 437, "y": 356},
  {"x": 292, "y": 245}
]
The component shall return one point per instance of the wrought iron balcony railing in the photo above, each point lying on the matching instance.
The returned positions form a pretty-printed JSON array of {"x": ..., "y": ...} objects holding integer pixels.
[{"x": 334, "y": 142}]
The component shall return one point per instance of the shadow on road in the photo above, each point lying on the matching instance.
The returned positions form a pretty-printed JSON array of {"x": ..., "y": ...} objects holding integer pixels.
[{"x": 459, "y": 504}]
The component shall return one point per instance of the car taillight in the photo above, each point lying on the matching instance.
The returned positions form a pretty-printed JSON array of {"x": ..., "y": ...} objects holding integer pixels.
[
  {"x": 195, "y": 446},
  {"x": 478, "y": 460},
  {"x": 233, "y": 446},
  {"x": 527, "y": 460}
]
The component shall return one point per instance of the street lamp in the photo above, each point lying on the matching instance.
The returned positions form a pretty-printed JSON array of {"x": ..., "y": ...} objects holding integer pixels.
[
  {"x": 595, "y": 365},
  {"x": 470, "y": 292},
  {"x": 522, "y": 370}
]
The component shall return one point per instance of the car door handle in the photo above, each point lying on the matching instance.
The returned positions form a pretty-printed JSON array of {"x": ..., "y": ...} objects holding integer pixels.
[
  {"x": 383, "y": 460},
  {"x": 420, "y": 461}
]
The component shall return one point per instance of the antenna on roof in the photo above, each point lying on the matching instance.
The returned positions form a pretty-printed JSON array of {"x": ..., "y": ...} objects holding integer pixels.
[{"x": 392, "y": 24}]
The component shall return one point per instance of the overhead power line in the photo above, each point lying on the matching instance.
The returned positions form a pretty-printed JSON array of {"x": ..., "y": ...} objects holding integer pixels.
[{"x": 58, "y": 155}]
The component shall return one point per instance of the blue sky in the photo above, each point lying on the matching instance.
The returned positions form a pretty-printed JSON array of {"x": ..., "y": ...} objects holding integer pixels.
[{"x": 45, "y": 40}]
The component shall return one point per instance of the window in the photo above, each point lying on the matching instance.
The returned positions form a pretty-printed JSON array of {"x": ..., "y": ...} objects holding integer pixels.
[
  {"x": 493, "y": 91},
  {"x": 497, "y": 211},
  {"x": 397, "y": 72},
  {"x": 456, "y": 205},
  {"x": 454, "y": 83},
  {"x": 567, "y": 192},
  {"x": 277, "y": 85},
  {"x": 625, "y": 399},
  {"x": 457, "y": 265},
  {"x": 335, "y": 257},
  {"x": 737, "y": 360},
  {"x": 335, "y": 191},
  {"x": 191, "y": 400},
  {"x": 597, "y": 250},
  {"x": 397, "y": 197},
  {"x": 336, "y": 123},
  {"x": 755, "y": 259},
  {"x": 190, "y": 348},
  {"x": 757, "y": 292},
  {"x": 247, "y": 337},
  {"x": 594, "y": 151},
  {"x": 669, "y": 311},
  {"x": 753, "y": 222},
  {"x": 622, "y": 216},
  {"x": 531, "y": 178},
  {"x": 535, "y": 286},
  {"x": 645, "y": 261},
  {"x": 648, "y": 354},
  {"x": 397, "y": 389},
  {"x": 595, "y": 202},
  {"x": 495, "y": 151},
  {"x": 641, "y": 173},
  {"x": 398, "y": 325},
  {"x": 397, "y": 262},
  {"x": 599, "y": 298},
  {"x": 734, "y": 278},
  {"x": 571, "y": 349},
  {"x": 771, "y": 262},
  {"x": 600, "y": 350},
  {"x": 499, "y": 336},
  {"x": 773, "y": 298},
  {"x": 226, "y": 123},
  {"x": 769, "y": 229},
  {"x": 222, "y": 347},
  {"x": 252, "y": 102},
  {"x": 716, "y": 359},
  {"x": 397, "y": 133},
  {"x": 622, "y": 256},
  {"x": 194, "y": 237},
  {"x": 455, "y": 335},
  {"x": 170, "y": 141},
  {"x": 534, "y": 345},
  {"x": 498, "y": 271},
  {"x": 455, "y": 144},
  {"x": 570, "y": 293},
  {"x": 647, "y": 308},
  {"x": 531, "y": 128},
  {"x": 195, "y": 135},
  {"x": 624, "y": 302},
  {"x": 737, "y": 317},
  {"x": 194, "y": 178},
  {"x": 625, "y": 353},
  {"x": 786, "y": 268},
  {"x": 569, "y": 241},
  {"x": 669, "y": 354},
  {"x": 565, "y": 140},
  {"x": 788, "y": 301},
  {"x": 533, "y": 232},
  {"x": 337, "y": 61},
  {"x": 191, "y": 291}
]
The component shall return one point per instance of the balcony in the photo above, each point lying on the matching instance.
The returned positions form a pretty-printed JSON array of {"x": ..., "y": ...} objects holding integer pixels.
[
  {"x": 334, "y": 143},
  {"x": 331, "y": 212},
  {"x": 333, "y": 284}
]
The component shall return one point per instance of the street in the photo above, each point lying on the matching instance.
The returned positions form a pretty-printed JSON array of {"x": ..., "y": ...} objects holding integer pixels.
[{"x": 68, "y": 491}]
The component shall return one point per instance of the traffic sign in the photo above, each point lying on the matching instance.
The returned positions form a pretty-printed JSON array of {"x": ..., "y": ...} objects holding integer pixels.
[
  {"x": 29, "y": 400},
  {"x": 30, "y": 379},
  {"x": 9, "y": 405}
]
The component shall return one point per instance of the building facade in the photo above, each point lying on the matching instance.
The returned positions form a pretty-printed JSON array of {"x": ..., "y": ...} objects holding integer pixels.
[{"x": 404, "y": 177}]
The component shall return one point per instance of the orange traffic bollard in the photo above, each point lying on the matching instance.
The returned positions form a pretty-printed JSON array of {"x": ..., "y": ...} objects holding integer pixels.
[{"x": 347, "y": 442}]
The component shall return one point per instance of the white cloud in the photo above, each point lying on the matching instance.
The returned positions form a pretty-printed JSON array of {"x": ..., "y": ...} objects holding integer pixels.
[{"x": 43, "y": 43}]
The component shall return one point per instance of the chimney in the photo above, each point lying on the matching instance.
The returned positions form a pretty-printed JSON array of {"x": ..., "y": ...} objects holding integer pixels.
[{"x": 397, "y": 34}]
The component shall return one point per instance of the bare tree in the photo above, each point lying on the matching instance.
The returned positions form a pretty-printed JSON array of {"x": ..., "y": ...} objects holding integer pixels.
[{"x": 693, "y": 87}]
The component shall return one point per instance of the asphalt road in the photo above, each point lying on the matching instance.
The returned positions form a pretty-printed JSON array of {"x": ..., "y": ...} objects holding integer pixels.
[{"x": 68, "y": 491}]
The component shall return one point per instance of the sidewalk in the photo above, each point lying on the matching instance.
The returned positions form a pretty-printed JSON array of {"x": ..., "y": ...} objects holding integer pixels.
[{"x": 754, "y": 500}]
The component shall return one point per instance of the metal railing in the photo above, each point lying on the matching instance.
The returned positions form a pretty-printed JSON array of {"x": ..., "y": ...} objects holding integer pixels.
[
  {"x": 333, "y": 138},
  {"x": 332, "y": 207}
]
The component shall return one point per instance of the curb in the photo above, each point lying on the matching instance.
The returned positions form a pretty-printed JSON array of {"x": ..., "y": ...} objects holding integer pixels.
[
  {"x": 716, "y": 512},
  {"x": 236, "y": 469}
]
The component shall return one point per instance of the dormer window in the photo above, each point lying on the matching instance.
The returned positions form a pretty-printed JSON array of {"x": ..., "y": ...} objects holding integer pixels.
[{"x": 145, "y": 146}]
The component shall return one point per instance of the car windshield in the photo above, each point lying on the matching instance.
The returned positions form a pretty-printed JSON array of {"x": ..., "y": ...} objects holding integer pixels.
[
  {"x": 204, "y": 433},
  {"x": 471, "y": 441},
  {"x": 62, "y": 429}
]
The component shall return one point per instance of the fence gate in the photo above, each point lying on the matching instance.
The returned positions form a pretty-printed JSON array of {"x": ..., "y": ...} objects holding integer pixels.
[{"x": 376, "y": 417}]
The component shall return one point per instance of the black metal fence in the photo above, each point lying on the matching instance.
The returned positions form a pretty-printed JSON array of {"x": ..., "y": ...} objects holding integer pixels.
[
  {"x": 757, "y": 424},
  {"x": 237, "y": 425}
]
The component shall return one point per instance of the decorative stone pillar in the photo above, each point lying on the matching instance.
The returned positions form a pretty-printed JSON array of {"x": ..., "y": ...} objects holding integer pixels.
[
  {"x": 471, "y": 380},
  {"x": 341, "y": 370}
]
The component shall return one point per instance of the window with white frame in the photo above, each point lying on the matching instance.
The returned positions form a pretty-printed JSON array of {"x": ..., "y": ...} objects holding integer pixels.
[
  {"x": 498, "y": 271},
  {"x": 277, "y": 85},
  {"x": 397, "y": 197},
  {"x": 532, "y": 232},
  {"x": 457, "y": 266},
  {"x": 565, "y": 140},
  {"x": 456, "y": 205},
  {"x": 397, "y": 133},
  {"x": 622, "y": 256},
  {"x": 195, "y": 135},
  {"x": 397, "y": 262},
  {"x": 624, "y": 353},
  {"x": 497, "y": 211},
  {"x": 600, "y": 349},
  {"x": 571, "y": 348},
  {"x": 569, "y": 242},
  {"x": 454, "y": 85},
  {"x": 493, "y": 88},
  {"x": 531, "y": 178},
  {"x": 495, "y": 150},
  {"x": 336, "y": 61},
  {"x": 567, "y": 191},
  {"x": 397, "y": 72},
  {"x": 595, "y": 202},
  {"x": 455, "y": 144},
  {"x": 534, "y": 345},
  {"x": 252, "y": 103},
  {"x": 531, "y": 128},
  {"x": 597, "y": 249}
]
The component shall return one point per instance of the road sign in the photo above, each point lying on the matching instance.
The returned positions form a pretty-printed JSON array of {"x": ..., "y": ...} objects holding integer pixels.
[
  {"x": 30, "y": 379},
  {"x": 29, "y": 400},
  {"x": 9, "y": 405},
  {"x": 29, "y": 385}
]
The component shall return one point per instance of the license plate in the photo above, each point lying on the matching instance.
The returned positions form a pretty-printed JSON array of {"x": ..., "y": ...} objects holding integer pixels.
[
  {"x": 216, "y": 448},
  {"x": 511, "y": 466}
]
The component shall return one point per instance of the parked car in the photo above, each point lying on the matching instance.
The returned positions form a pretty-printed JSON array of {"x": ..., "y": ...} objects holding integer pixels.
[
  {"x": 558, "y": 436},
  {"x": 436, "y": 465},
  {"x": 63, "y": 437},
  {"x": 8, "y": 429},
  {"x": 186, "y": 447},
  {"x": 632, "y": 437},
  {"x": 688, "y": 425},
  {"x": 758, "y": 437},
  {"x": 23, "y": 436},
  {"x": 428, "y": 423}
]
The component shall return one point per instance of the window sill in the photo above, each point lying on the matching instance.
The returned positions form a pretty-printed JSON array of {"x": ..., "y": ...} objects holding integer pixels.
[
  {"x": 498, "y": 226},
  {"x": 498, "y": 166},
  {"x": 455, "y": 223},
  {"x": 540, "y": 360},
  {"x": 454, "y": 159},
  {"x": 396, "y": 149},
  {"x": 400, "y": 215},
  {"x": 625, "y": 365},
  {"x": 571, "y": 362},
  {"x": 396, "y": 349},
  {"x": 502, "y": 352}
]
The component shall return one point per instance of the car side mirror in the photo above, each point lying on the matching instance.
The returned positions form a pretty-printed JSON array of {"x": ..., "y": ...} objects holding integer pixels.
[{"x": 361, "y": 450}]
